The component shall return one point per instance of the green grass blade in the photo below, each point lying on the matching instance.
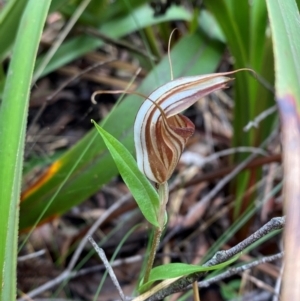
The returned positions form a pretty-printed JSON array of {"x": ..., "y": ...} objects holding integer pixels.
[
  {"x": 143, "y": 192},
  {"x": 257, "y": 32},
  {"x": 9, "y": 21},
  {"x": 13, "y": 117},
  {"x": 244, "y": 26},
  {"x": 80, "y": 9},
  {"x": 284, "y": 19},
  {"x": 225, "y": 16},
  {"x": 101, "y": 11},
  {"x": 224, "y": 13},
  {"x": 115, "y": 28}
]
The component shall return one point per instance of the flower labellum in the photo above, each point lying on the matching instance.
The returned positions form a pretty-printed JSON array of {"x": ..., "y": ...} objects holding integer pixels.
[{"x": 160, "y": 132}]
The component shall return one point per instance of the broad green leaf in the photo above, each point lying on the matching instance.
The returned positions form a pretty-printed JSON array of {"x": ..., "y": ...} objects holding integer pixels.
[
  {"x": 174, "y": 270},
  {"x": 13, "y": 120},
  {"x": 114, "y": 28},
  {"x": 140, "y": 187},
  {"x": 209, "y": 25}
]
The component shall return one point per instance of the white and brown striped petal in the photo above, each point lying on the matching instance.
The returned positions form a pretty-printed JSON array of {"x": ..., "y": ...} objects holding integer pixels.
[{"x": 160, "y": 132}]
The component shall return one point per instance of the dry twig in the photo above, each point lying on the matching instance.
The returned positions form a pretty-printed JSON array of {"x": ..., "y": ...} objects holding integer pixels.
[
  {"x": 220, "y": 257},
  {"x": 108, "y": 267},
  {"x": 233, "y": 271}
]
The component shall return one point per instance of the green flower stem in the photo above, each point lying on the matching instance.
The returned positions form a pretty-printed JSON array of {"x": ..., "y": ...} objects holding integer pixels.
[
  {"x": 154, "y": 245},
  {"x": 163, "y": 191}
]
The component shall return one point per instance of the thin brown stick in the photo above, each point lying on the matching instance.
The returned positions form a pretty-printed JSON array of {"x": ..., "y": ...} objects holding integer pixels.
[
  {"x": 233, "y": 271},
  {"x": 196, "y": 291},
  {"x": 228, "y": 178},
  {"x": 224, "y": 171}
]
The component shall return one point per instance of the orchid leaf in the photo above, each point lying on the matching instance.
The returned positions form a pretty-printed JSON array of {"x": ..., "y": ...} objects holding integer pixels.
[
  {"x": 174, "y": 270},
  {"x": 141, "y": 189}
]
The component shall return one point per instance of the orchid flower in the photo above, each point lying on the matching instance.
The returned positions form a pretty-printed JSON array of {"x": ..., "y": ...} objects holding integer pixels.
[{"x": 160, "y": 132}]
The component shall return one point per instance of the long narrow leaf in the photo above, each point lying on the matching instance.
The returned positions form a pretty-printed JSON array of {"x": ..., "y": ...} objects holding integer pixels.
[
  {"x": 9, "y": 22},
  {"x": 244, "y": 26},
  {"x": 284, "y": 19},
  {"x": 13, "y": 117},
  {"x": 116, "y": 28},
  {"x": 140, "y": 187}
]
